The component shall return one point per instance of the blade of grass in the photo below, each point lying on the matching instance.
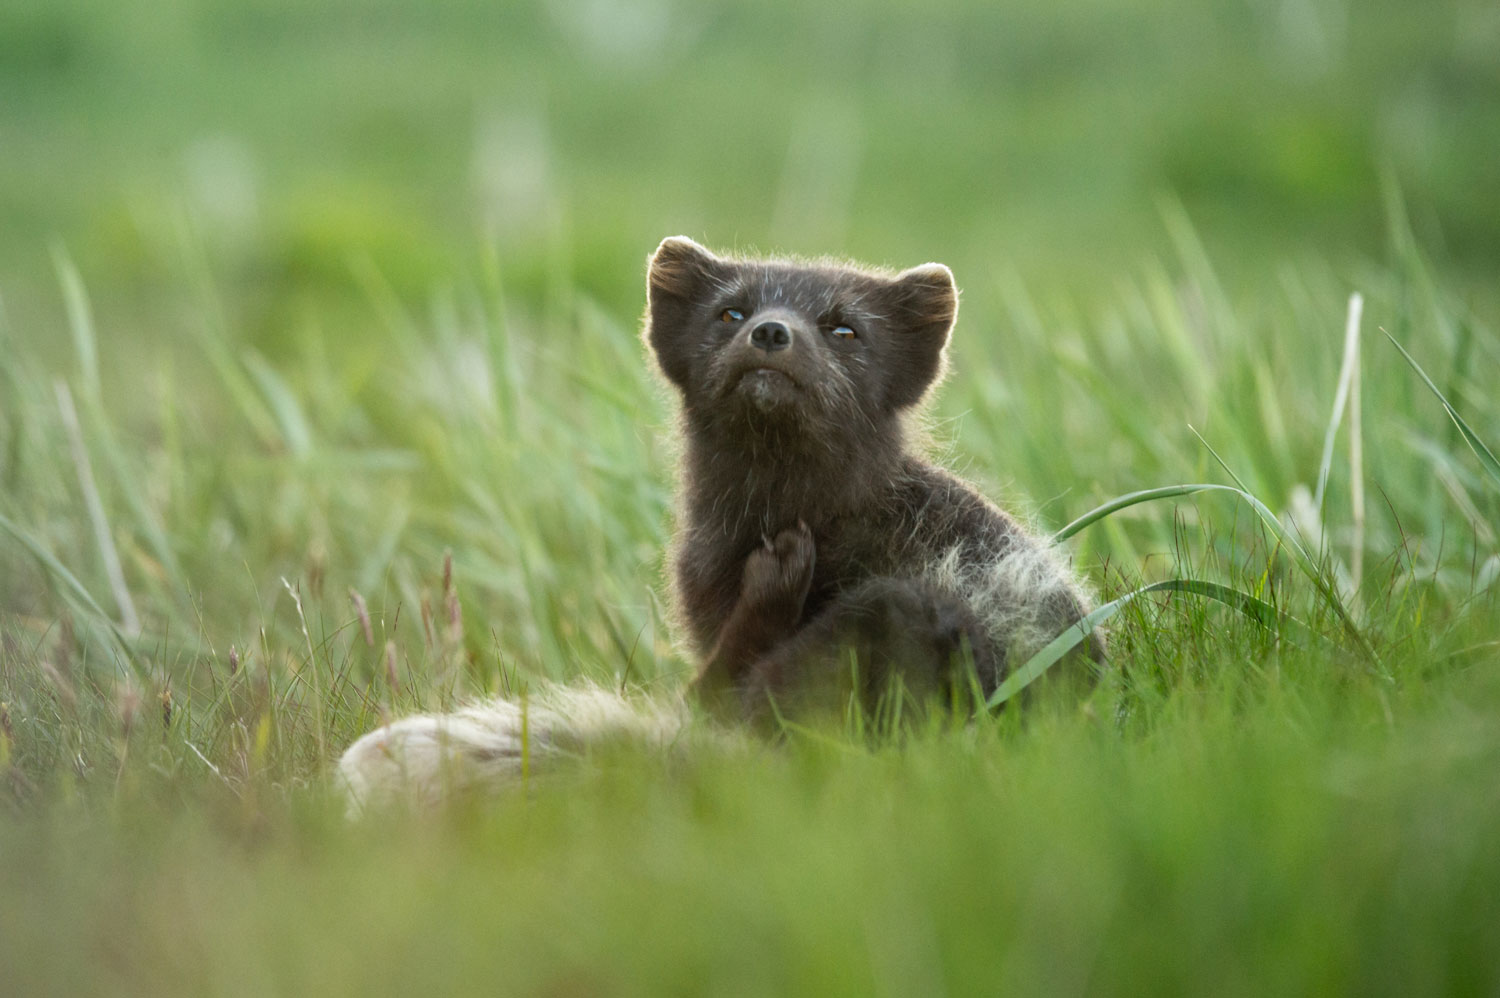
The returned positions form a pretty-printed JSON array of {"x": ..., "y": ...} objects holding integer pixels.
[
  {"x": 1168, "y": 491},
  {"x": 1222, "y": 463},
  {"x": 1356, "y": 462},
  {"x": 1347, "y": 374},
  {"x": 1321, "y": 580},
  {"x": 312, "y": 665},
  {"x": 130, "y": 621},
  {"x": 1258, "y": 610},
  {"x": 296, "y": 433},
  {"x": 80, "y": 318},
  {"x": 1131, "y": 499},
  {"x": 85, "y": 343},
  {"x": 1304, "y": 561},
  {"x": 1486, "y": 456},
  {"x": 73, "y": 590}
]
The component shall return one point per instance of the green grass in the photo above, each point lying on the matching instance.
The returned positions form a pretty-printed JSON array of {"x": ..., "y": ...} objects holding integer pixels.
[
  {"x": 217, "y": 444},
  {"x": 1247, "y": 807}
]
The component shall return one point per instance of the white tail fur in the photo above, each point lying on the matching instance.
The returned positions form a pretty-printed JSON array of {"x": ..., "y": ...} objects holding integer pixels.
[{"x": 484, "y": 746}]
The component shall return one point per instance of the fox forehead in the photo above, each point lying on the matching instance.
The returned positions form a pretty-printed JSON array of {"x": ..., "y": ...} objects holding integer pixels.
[{"x": 813, "y": 290}]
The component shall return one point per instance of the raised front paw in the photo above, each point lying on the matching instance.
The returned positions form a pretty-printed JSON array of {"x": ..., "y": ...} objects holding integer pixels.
[{"x": 779, "y": 573}]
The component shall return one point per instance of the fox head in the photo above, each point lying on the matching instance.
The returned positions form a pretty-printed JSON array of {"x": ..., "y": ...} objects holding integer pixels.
[{"x": 820, "y": 353}]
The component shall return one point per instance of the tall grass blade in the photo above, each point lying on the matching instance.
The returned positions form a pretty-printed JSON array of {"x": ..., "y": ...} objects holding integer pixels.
[
  {"x": 1356, "y": 462},
  {"x": 130, "y": 621},
  {"x": 1167, "y": 492},
  {"x": 73, "y": 590},
  {"x": 1222, "y": 463},
  {"x": 80, "y": 319},
  {"x": 312, "y": 666},
  {"x": 296, "y": 432},
  {"x": 1131, "y": 499},
  {"x": 1487, "y": 458},
  {"x": 1299, "y": 554},
  {"x": 1347, "y": 373},
  {"x": 1256, "y": 609}
]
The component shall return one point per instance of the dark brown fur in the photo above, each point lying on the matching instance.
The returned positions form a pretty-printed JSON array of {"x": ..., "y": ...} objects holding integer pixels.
[{"x": 806, "y": 522}]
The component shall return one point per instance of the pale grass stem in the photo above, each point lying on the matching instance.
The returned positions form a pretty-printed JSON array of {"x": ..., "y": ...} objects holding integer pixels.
[
  {"x": 1348, "y": 394},
  {"x": 80, "y": 319},
  {"x": 391, "y": 679},
  {"x": 427, "y": 623},
  {"x": 312, "y": 666},
  {"x": 450, "y": 604},
  {"x": 130, "y": 622},
  {"x": 1348, "y": 372},
  {"x": 7, "y": 736},
  {"x": 128, "y": 703},
  {"x": 363, "y": 612},
  {"x": 1356, "y": 452}
]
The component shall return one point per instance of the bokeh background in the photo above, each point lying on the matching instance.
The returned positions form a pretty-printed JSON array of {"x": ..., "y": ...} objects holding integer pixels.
[{"x": 297, "y": 141}]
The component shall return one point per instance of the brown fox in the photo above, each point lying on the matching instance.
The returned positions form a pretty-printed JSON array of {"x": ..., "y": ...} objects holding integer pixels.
[
  {"x": 818, "y": 557},
  {"x": 819, "y": 562}
]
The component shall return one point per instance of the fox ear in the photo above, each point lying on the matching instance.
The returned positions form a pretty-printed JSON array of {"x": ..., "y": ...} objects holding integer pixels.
[
  {"x": 676, "y": 281},
  {"x": 925, "y": 305},
  {"x": 678, "y": 266}
]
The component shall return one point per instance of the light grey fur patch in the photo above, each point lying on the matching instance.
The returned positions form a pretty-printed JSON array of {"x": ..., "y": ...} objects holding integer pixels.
[{"x": 1024, "y": 598}]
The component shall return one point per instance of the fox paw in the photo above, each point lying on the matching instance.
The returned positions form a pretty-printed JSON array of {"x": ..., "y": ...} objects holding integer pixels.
[{"x": 779, "y": 573}]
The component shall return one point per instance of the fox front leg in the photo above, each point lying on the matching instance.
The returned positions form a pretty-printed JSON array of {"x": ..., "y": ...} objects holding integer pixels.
[{"x": 773, "y": 592}]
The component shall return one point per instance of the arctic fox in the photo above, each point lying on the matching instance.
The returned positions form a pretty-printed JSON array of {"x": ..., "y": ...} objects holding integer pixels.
[{"x": 819, "y": 562}]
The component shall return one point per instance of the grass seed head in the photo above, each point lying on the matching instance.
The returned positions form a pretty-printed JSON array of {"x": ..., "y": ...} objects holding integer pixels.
[
  {"x": 427, "y": 621},
  {"x": 363, "y": 612},
  {"x": 390, "y": 669},
  {"x": 317, "y": 566},
  {"x": 128, "y": 705},
  {"x": 455, "y": 620}
]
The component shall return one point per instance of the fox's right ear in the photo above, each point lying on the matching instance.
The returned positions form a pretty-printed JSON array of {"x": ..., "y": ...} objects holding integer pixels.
[
  {"x": 678, "y": 267},
  {"x": 677, "y": 280}
]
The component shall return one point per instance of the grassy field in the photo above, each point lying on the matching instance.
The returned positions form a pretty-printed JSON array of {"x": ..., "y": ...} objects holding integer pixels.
[{"x": 322, "y": 402}]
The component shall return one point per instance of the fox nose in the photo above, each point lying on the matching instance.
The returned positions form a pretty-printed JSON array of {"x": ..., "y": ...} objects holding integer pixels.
[{"x": 771, "y": 336}]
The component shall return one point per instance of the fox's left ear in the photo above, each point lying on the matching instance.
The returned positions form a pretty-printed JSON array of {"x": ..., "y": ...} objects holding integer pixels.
[{"x": 924, "y": 306}]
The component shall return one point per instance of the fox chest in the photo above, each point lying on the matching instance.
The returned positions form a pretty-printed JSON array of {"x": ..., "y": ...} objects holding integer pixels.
[{"x": 709, "y": 575}]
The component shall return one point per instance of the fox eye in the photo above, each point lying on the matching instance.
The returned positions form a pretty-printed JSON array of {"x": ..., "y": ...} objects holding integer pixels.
[
  {"x": 844, "y": 332},
  {"x": 731, "y": 315}
]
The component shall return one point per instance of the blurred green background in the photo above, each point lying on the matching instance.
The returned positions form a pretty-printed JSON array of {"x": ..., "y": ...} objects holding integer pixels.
[{"x": 297, "y": 141}]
